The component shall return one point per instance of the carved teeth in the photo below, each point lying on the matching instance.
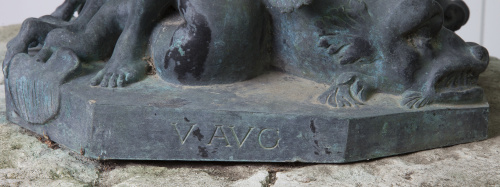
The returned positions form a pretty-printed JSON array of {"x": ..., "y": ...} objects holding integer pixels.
[
  {"x": 453, "y": 79},
  {"x": 460, "y": 80},
  {"x": 464, "y": 79},
  {"x": 457, "y": 79}
]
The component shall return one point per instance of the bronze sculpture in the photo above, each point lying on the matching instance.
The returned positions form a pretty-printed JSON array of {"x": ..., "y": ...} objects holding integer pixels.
[{"x": 358, "y": 47}]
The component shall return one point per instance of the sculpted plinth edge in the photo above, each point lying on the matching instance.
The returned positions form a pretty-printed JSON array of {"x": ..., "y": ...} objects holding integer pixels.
[{"x": 327, "y": 81}]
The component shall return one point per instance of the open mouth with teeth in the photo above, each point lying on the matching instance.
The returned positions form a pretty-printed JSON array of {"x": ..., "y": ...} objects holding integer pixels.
[
  {"x": 457, "y": 80},
  {"x": 458, "y": 86}
]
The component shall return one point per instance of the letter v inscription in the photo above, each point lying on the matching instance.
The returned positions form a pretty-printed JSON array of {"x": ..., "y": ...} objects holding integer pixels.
[
  {"x": 240, "y": 144},
  {"x": 183, "y": 140}
]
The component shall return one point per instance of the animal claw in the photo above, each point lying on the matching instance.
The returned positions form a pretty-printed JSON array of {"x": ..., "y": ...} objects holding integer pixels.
[
  {"x": 414, "y": 100},
  {"x": 350, "y": 90},
  {"x": 339, "y": 96}
]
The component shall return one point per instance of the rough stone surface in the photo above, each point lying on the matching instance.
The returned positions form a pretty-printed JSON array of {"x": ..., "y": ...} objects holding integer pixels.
[{"x": 25, "y": 161}]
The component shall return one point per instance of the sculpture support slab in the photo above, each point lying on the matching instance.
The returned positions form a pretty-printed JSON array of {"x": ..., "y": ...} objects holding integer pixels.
[
  {"x": 329, "y": 81},
  {"x": 239, "y": 123}
]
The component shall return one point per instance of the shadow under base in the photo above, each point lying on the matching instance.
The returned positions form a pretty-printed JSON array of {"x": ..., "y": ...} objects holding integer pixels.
[{"x": 274, "y": 118}]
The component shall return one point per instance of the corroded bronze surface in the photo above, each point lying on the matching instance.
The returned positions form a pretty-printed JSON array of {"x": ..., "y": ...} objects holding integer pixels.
[{"x": 331, "y": 80}]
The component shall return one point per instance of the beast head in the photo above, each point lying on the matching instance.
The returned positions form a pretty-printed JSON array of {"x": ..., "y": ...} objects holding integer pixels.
[
  {"x": 398, "y": 47},
  {"x": 428, "y": 61}
]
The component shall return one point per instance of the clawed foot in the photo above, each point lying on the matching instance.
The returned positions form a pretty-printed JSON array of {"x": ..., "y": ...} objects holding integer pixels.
[
  {"x": 339, "y": 96},
  {"x": 350, "y": 91},
  {"x": 414, "y": 100},
  {"x": 118, "y": 74}
]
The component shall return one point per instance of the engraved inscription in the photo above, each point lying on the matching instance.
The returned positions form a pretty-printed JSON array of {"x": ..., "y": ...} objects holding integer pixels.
[
  {"x": 183, "y": 140},
  {"x": 266, "y": 138},
  {"x": 270, "y": 131},
  {"x": 240, "y": 144},
  {"x": 221, "y": 129}
]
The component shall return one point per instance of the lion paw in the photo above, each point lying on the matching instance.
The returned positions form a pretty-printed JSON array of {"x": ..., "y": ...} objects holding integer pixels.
[
  {"x": 414, "y": 100},
  {"x": 350, "y": 91},
  {"x": 339, "y": 96}
]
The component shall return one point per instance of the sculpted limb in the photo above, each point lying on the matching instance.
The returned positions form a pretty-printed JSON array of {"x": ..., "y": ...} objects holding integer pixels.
[
  {"x": 88, "y": 45},
  {"x": 35, "y": 30},
  {"x": 94, "y": 42},
  {"x": 190, "y": 43},
  {"x": 126, "y": 64},
  {"x": 350, "y": 90},
  {"x": 119, "y": 30},
  {"x": 67, "y": 9},
  {"x": 221, "y": 41},
  {"x": 289, "y": 5}
]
